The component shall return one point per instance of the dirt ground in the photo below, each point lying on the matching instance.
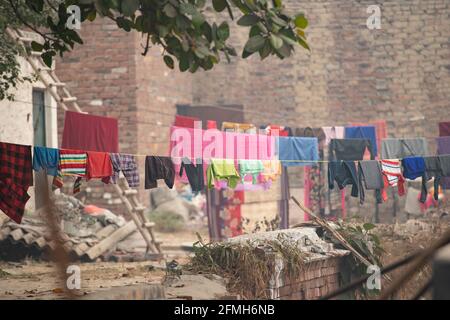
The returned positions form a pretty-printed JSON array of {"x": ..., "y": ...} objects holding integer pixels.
[{"x": 39, "y": 280}]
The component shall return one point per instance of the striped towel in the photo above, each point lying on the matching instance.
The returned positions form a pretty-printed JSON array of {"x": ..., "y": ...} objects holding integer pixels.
[
  {"x": 73, "y": 163},
  {"x": 392, "y": 176}
]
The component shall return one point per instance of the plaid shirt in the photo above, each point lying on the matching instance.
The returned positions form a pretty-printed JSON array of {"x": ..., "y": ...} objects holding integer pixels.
[
  {"x": 127, "y": 164},
  {"x": 15, "y": 177}
]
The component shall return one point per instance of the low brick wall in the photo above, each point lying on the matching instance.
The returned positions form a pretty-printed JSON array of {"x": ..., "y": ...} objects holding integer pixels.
[{"x": 319, "y": 278}]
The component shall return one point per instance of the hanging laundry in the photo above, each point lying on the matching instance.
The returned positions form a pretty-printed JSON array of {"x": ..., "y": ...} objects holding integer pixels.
[
  {"x": 412, "y": 204},
  {"x": 395, "y": 148},
  {"x": 99, "y": 166},
  {"x": 370, "y": 178},
  {"x": 88, "y": 132},
  {"x": 159, "y": 168},
  {"x": 271, "y": 171},
  {"x": 211, "y": 124},
  {"x": 444, "y": 163},
  {"x": 46, "y": 159},
  {"x": 279, "y": 131},
  {"x": 185, "y": 121},
  {"x": 344, "y": 174},
  {"x": 350, "y": 149},
  {"x": 443, "y": 147},
  {"x": 222, "y": 169},
  {"x": 380, "y": 127},
  {"x": 252, "y": 167},
  {"x": 333, "y": 133},
  {"x": 314, "y": 175},
  {"x": 71, "y": 163},
  {"x": 444, "y": 129},
  {"x": 194, "y": 174},
  {"x": 363, "y": 132},
  {"x": 413, "y": 167},
  {"x": 238, "y": 127},
  {"x": 392, "y": 176},
  {"x": 16, "y": 176},
  {"x": 292, "y": 149},
  {"x": 127, "y": 164},
  {"x": 432, "y": 170}
]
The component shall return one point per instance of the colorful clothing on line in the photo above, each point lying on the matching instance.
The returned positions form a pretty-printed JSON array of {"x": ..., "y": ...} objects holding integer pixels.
[
  {"x": 298, "y": 151},
  {"x": 222, "y": 169},
  {"x": 16, "y": 177},
  {"x": 252, "y": 167},
  {"x": 443, "y": 144},
  {"x": 99, "y": 166},
  {"x": 90, "y": 132},
  {"x": 399, "y": 148},
  {"x": 392, "y": 176},
  {"x": 127, "y": 164},
  {"x": 46, "y": 159},
  {"x": 444, "y": 129},
  {"x": 72, "y": 163},
  {"x": 350, "y": 149},
  {"x": 271, "y": 171}
]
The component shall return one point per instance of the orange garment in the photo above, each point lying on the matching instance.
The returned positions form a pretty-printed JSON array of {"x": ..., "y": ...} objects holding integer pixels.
[
  {"x": 272, "y": 170},
  {"x": 98, "y": 166}
]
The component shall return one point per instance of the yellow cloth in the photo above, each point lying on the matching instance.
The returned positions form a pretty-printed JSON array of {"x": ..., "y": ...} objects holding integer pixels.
[
  {"x": 272, "y": 170},
  {"x": 222, "y": 169},
  {"x": 238, "y": 127}
]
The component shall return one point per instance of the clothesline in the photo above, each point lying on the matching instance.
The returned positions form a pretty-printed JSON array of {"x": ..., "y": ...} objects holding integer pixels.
[
  {"x": 202, "y": 158},
  {"x": 218, "y": 107}
]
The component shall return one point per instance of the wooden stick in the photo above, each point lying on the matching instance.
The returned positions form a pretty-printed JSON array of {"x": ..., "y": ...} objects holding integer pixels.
[{"x": 323, "y": 223}]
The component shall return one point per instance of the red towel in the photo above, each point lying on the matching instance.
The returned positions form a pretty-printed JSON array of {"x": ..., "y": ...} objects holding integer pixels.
[
  {"x": 99, "y": 166},
  {"x": 91, "y": 133},
  {"x": 185, "y": 121}
]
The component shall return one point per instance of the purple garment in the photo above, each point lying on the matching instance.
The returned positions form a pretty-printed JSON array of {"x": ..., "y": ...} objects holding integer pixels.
[
  {"x": 443, "y": 147},
  {"x": 127, "y": 164}
]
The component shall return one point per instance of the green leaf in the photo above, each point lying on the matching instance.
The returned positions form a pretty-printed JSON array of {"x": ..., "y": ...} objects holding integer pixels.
[
  {"x": 170, "y": 10},
  {"x": 129, "y": 7},
  {"x": 254, "y": 44},
  {"x": 36, "y": 46},
  {"x": 277, "y": 3},
  {"x": 301, "y": 22},
  {"x": 169, "y": 61},
  {"x": 184, "y": 62},
  {"x": 246, "y": 54},
  {"x": 266, "y": 50},
  {"x": 276, "y": 41},
  {"x": 279, "y": 21},
  {"x": 47, "y": 58},
  {"x": 91, "y": 15},
  {"x": 219, "y": 5},
  {"x": 248, "y": 20},
  {"x": 284, "y": 51},
  {"x": 223, "y": 32},
  {"x": 368, "y": 226},
  {"x": 303, "y": 44}
]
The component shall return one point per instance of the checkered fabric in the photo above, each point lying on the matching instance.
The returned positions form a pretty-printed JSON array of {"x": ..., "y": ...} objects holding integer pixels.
[
  {"x": 15, "y": 177},
  {"x": 127, "y": 164}
]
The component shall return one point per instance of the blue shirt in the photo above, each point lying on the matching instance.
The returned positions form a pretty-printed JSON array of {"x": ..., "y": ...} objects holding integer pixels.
[
  {"x": 297, "y": 148},
  {"x": 413, "y": 167},
  {"x": 46, "y": 158}
]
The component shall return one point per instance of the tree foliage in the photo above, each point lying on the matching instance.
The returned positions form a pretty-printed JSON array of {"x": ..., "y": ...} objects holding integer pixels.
[{"x": 185, "y": 29}]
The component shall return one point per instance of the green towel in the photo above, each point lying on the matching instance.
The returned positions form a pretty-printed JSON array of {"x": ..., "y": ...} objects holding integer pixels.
[
  {"x": 253, "y": 167},
  {"x": 222, "y": 169}
]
